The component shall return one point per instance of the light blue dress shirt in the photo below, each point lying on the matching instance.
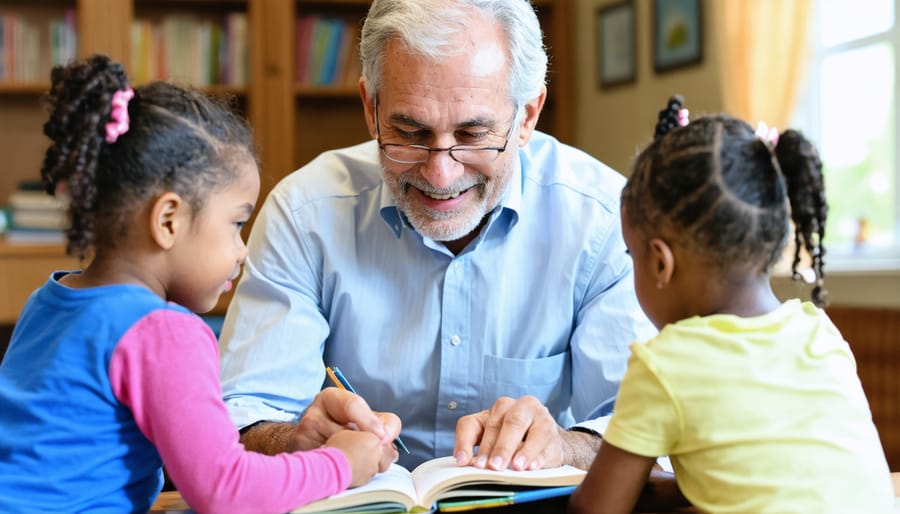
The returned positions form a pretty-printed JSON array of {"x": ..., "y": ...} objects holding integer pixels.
[{"x": 541, "y": 303}]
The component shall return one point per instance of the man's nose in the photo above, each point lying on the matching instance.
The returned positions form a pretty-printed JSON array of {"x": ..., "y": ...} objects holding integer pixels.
[{"x": 441, "y": 170}]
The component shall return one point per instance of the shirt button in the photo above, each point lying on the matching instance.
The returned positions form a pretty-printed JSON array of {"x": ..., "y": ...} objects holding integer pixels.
[
  {"x": 452, "y": 405},
  {"x": 455, "y": 340}
]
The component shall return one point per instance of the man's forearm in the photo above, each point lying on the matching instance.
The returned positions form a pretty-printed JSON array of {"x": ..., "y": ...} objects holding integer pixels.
[
  {"x": 580, "y": 448},
  {"x": 270, "y": 438}
]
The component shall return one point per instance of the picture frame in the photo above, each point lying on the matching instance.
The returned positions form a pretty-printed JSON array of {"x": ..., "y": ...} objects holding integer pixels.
[
  {"x": 677, "y": 34},
  {"x": 616, "y": 44}
]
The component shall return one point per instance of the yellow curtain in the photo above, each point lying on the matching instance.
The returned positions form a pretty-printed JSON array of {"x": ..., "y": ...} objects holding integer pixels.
[{"x": 764, "y": 52}]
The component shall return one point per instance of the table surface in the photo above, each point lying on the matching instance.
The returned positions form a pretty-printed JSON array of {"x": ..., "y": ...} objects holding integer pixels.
[{"x": 170, "y": 502}]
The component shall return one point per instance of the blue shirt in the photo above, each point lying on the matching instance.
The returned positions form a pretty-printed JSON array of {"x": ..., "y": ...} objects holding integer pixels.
[
  {"x": 541, "y": 303},
  {"x": 67, "y": 444}
]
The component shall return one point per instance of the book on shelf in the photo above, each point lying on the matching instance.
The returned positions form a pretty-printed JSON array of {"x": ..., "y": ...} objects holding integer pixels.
[
  {"x": 190, "y": 49},
  {"x": 303, "y": 32},
  {"x": 325, "y": 48},
  {"x": 33, "y": 216},
  {"x": 31, "y": 44},
  {"x": 29, "y": 197},
  {"x": 33, "y": 236},
  {"x": 439, "y": 485},
  {"x": 39, "y": 219}
]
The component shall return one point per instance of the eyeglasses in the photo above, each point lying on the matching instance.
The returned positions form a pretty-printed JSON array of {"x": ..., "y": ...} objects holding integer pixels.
[{"x": 414, "y": 154}]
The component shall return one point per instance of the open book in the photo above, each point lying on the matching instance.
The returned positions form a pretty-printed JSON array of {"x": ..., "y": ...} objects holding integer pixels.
[{"x": 440, "y": 485}]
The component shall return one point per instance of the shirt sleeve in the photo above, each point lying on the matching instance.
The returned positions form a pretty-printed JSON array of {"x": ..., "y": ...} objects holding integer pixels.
[
  {"x": 608, "y": 322},
  {"x": 274, "y": 329},
  {"x": 647, "y": 419},
  {"x": 165, "y": 369}
]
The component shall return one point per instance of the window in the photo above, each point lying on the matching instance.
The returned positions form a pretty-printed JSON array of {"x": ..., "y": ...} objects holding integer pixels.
[{"x": 850, "y": 112}]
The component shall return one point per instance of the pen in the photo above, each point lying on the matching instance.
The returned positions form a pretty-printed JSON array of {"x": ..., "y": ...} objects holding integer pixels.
[{"x": 334, "y": 373}]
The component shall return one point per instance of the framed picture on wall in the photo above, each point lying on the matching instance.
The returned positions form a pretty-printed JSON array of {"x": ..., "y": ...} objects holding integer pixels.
[
  {"x": 616, "y": 44},
  {"x": 677, "y": 34}
]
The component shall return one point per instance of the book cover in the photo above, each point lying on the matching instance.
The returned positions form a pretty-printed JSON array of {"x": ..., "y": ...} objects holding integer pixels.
[
  {"x": 27, "y": 199},
  {"x": 440, "y": 485},
  {"x": 332, "y": 52},
  {"x": 305, "y": 26},
  {"x": 53, "y": 219},
  {"x": 27, "y": 236}
]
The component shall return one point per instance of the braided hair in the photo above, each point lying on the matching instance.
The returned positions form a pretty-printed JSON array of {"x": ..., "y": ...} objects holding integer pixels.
[
  {"x": 176, "y": 140},
  {"x": 717, "y": 187}
]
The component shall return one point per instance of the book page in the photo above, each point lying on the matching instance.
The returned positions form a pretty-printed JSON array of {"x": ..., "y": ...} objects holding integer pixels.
[
  {"x": 390, "y": 491},
  {"x": 434, "y": 478}
]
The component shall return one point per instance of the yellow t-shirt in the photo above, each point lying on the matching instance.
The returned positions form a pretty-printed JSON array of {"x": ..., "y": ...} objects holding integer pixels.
[{"x": 758, "y": 415}]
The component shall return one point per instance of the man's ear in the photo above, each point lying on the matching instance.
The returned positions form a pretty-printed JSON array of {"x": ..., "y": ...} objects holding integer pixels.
[
  {"x": 532, "y": 113},
  {"x": 662, "y": 261},
  {"x": 368, "y": 107},
  {"x": 166, "y": 219}
]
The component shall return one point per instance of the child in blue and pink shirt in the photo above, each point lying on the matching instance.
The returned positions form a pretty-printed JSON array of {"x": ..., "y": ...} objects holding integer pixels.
[{"x": 109, "y": 373}]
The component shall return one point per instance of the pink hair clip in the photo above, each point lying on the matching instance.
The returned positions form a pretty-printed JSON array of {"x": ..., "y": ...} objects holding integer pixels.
[
  {"x": 769, "y": 135},
  {"x": 683, "y": 118},
  {"x": 119, "y": 114}
]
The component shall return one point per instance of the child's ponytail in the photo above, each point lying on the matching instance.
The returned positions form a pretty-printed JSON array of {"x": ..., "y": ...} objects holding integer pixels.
[
  {"x": 802, "y": 170},
  {"x": 80, "y": 101}
]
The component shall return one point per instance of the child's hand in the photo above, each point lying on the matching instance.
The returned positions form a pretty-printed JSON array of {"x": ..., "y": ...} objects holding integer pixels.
[{"x": 364, "y": 451}]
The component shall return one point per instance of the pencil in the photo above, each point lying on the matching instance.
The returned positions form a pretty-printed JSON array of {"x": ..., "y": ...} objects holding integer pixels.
[{"x": 334, "y": 373}]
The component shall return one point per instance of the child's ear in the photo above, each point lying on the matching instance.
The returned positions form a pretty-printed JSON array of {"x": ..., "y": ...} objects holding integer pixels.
[
  {"x": 662, "y": 261},
  {"x": 166, "y": 218}
]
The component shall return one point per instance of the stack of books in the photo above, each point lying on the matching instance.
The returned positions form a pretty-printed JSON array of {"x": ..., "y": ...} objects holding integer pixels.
[{"x": 36, "y": 217}]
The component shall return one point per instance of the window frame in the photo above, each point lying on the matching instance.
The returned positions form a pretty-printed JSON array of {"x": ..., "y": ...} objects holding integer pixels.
[{"x": 808, "y": 118}]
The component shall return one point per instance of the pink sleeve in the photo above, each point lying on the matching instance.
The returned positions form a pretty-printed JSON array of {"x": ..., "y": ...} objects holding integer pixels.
[{"x": 166, "y": 370}]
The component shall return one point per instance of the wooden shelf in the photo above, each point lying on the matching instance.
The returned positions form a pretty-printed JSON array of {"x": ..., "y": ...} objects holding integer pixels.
[
  {"x": 23, "y": 268},
  {"x": 30, "y": 250},
  {"x": 23, "y": 88},
  {"x": 326, "y": 92}
]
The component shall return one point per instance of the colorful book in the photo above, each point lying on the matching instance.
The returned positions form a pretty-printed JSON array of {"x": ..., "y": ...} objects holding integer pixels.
[
  {"x": 305, "y": 27},
  {"x": 330, "y": 57},
  {"x": 440, "y": 485}
]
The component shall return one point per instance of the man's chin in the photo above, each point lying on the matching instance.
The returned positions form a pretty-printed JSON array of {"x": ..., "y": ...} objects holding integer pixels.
[{"x": 443, "y": 230}]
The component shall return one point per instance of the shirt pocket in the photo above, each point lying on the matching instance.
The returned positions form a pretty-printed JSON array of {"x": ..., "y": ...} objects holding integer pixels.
[{"x": 546, "y": 378}]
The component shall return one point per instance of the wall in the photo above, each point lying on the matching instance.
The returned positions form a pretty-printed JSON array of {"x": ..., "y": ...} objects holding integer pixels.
[{"x": 614, "y": 123}]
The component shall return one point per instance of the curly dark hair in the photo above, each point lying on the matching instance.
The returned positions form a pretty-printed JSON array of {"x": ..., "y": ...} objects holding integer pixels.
[
  {"x": 178, "y": 140},
  {"x": 716, "y": 186}
]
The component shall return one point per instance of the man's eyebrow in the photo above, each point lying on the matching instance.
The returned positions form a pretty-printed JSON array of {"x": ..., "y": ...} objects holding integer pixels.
[
  {"x": 247, "y": 208},
  {"x": 403, "y": 119}
]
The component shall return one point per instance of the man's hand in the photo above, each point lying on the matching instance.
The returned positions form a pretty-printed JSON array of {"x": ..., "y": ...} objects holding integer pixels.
[
  {"x": 334, "y": 410},
  {"x": 331, "y": 411},
  {"x": 519, "y": 434}
]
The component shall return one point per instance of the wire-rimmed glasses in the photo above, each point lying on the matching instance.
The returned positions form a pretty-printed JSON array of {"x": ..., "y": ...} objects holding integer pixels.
[{"x": 415, "y": 153}]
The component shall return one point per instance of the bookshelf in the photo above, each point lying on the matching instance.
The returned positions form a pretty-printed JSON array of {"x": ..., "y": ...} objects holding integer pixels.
[
  {"x": 24, "y": 268},
  {"x": 292, "y": 122}
]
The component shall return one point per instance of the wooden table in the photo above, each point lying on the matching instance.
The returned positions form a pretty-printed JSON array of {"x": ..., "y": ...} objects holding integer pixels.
[{"x": 170, "y": 502}]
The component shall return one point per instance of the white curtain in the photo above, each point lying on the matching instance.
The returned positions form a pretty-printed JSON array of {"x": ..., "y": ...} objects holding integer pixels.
[{"x": 764, "y": 47}]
